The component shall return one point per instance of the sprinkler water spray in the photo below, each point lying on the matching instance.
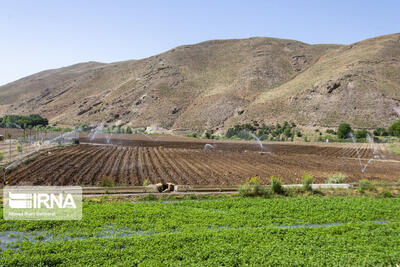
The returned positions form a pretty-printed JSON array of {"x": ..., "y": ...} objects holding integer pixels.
[
  {"x": 207, "y": 146},
  {"x": 257, "y": 139}
]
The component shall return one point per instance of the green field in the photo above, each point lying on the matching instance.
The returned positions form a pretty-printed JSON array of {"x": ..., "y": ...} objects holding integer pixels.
[{"x": 228, "y": 231}]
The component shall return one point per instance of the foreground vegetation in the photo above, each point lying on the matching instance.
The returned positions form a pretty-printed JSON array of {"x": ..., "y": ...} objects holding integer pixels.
[{"x": 226, "y": 231}]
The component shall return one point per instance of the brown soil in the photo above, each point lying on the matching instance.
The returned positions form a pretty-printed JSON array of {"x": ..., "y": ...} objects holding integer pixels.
[{"x": 130, "y": 159}]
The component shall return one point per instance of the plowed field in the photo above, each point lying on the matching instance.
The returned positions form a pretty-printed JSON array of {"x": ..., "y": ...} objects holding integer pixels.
[{"x": 130, "y": 160}]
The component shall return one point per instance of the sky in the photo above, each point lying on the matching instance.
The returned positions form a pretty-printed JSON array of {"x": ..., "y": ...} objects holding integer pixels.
[{"x": 39, "y": 35}]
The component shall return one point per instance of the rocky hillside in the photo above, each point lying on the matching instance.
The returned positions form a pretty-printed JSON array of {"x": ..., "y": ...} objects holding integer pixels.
[{"x": 215, "y": 84}]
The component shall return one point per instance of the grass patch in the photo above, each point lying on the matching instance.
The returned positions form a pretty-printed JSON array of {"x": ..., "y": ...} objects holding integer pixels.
[
  {"x": 394, "y": 149},
  {"x": 107, "y": 181},
  {"x": 337, "y": 178}
]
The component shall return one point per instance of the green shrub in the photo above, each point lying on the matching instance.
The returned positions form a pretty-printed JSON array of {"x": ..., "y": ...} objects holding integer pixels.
[
  {"x": 194, "y": 135},
  {"x": 381, "y": 132},
  {"x": 1, "y": 156},
  {"x": 276, "y": 185},
  {"x": 337, "y": 178},
  {"x": 364, "y": 184},
  {"x": 146, "y": 182},
  {"x": 128, "y": 130},
  {"x": 330, "y": 131},
  {"x": 252, "y": 188},
  {"x": 360, "y": 134},
  {"x": 207, "y": 135},
  {"x": 19, "y": 148},
  {"x": 344, "y": 130},
  {"x": 307, "y": 179},
  {"x": 395, "y": 128},
  {"x": 107, "y": 181},
  {"x": 386, "y": 194}
]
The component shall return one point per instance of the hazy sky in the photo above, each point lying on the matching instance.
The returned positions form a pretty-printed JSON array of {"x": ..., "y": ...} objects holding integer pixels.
[{"x": 38, "y": 35}]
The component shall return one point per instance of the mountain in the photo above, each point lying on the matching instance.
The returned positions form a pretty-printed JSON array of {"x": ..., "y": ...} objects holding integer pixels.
[{"x": 216, "y": 84}]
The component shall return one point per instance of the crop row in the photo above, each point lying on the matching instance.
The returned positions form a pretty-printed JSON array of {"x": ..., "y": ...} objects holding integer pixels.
[{"x": 230, "y": 231}]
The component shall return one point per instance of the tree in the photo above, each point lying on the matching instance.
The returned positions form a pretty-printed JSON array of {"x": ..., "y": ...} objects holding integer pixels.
[
  {"x": 395, "y": 128},
  {"x": 344, "y": 130}
]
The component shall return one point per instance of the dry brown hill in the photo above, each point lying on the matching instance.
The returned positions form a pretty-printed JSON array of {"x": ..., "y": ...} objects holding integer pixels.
[{"x": 215, "y": 84}]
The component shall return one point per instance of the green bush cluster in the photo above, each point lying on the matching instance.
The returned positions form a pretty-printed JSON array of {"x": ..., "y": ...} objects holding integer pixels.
[
  {"x": 276, "y": 185},
  {"x": 274, "y": 132},
  {"x": 29, "y": 121},
  {"x": 381, "y": 132},
  {"x": 364, "y": 184},
  {"x": 194, "y": 135},
  {"x": 344, "y": 130},
  {"x": 253, "y": 188},
  {"x": 337, "y": 178},
  {"x": 330, "y": 131},
  {"x": 307, "y": 179},
  {"x": 395, "y": 129}
]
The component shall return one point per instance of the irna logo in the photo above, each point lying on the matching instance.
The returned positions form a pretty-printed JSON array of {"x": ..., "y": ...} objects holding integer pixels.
[
  {"x": 40, "y": 200},
  {"x": 42, "y": 203}
]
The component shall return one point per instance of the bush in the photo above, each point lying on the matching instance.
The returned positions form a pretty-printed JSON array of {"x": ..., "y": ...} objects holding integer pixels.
[
  {"x": 381, "y": 132},
  {"x": 395, "y": 128},
  {"x": 337, "y": 178},
  {"x": 330, "y": 131},
  {"x": 344, "y": 130},
  {"x": 307, "y": 181},
  {"x": 194, "y": 135},
  {"x": 252, "y": 188},
  {"x": 364, "y": 184},
  {"x": 12, "y": 121},
  {"x": 128, "y": 130},
  {"x": 107, "y": 181},
  {"x": 361, "y": 134},
  {"x": 19, "y": 148},
  {"x": 386, "y": 194},
  {"x": 207, "y": 135},
  {"x": 276, "y": 185},
  {"x": 1, "y": 156},
  {"x": 146, "y": 182}
]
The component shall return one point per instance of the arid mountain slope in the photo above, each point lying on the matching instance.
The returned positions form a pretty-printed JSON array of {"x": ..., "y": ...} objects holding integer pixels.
[
  {"x": 215, "y": 84},
  {"x": 359, "y": 83}
]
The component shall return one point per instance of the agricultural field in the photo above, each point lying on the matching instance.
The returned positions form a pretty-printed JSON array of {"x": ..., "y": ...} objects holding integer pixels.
[
  {"x": 308, "y": 231},
  {"x": 18, "y": 143},
  {"x": 129, "y": 160}
]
